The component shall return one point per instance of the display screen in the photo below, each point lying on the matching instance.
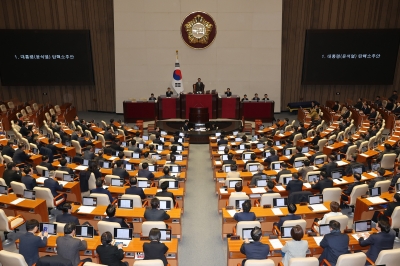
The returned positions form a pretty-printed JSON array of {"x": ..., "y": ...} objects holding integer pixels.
[
  {"x": 350, "y": 56},
  {"x": 45, "y": 57}
]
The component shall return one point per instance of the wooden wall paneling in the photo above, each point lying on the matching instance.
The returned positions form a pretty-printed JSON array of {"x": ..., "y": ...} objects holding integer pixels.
[
  {"x": 300, "y": 15},
  {"x": 95, "y": 15}
]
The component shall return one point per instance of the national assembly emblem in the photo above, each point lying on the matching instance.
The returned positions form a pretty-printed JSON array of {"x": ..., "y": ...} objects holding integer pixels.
[{"x": 198, "y": 30}]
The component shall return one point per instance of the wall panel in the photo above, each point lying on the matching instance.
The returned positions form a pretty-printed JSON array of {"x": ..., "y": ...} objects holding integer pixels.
[
  {"x": 299, "y": 15},
  {"x": 95, "y": 15}
]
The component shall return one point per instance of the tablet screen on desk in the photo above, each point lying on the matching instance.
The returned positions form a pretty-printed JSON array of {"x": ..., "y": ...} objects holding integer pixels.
[
  {"x": 115, "y": 182},
  {"x": 135, "y": 155},
  {"x": 362, "y": 226},
  {"x": 143, "y": 183},
  {"x": 173, "y": 184},
  {"x": 253, "y": 167},
  {"x": 319, "y": 161},
  {"x": 375, "y": 166},
  {"x": 280, "y": 202},
  {"x": 29, "y": 194},
  {"x": 324, "y": 229},
  {"x": 84, "y": 231},
  {"x": 178, "y": 157},
  {"x": 175, "y": 169},
  {"x": 152, "y": 168},
  {"x": 3, "y": 190},
  {"x": 285, "y": 231},
  {"x": 165, "y": 204},
  {"x": 286, "y": 180},
  {"x": 276, "y": 166},
  {"x": 267, "y": 154},
  {"x": 260, "y": 145},
  {"x": 45, "y": 173},
  {"x": 398, "y": 187},
  {"x": 50, "y": 228},
  {"x": 145, "y": 137},
  {"x": 242, "y": 147},
  {"x": 238, "y": 204},
  {"x": 232, "y": 183},
  {"x": 261, "y": 182},
  {"x": 227, "y": 168},
  {"x": 246, "y": 233},
  {"x": 89, "y": 201},
  {"x": 336, "y": 174},
  {"x": 224, "y": 157},
  {"x": 298, "y": 164},
  {"x": 305, "y": 149},
  {"x": 68, "y": 159},
  {"x": 128, "y": 167},
  {"x": 106, "y": 165},
  {"x": 68, "y": 177},
  {"x": 357, "y": 170},
  {"x": 123, "y": 233},
  {"x": 165, "y": 235},
  {"x": 140, "y": 145},
  {"x": 375, "y": 192},
  {"x": 125, "y": 203},
  {"x": 288, "y": 151},
  {"x": 179, "y": 148},
  {"x": 221, "y": 148},
  {"x": 317, "y": 199},
  {"x": 85, "y": 162}
]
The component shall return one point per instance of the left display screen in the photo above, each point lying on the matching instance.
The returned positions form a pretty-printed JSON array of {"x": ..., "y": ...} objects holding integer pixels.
[{"x": 46, "y": 57}]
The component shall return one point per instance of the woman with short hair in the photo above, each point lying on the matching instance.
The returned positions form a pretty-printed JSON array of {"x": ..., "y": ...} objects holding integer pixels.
[{"x": 296, "y": 248}]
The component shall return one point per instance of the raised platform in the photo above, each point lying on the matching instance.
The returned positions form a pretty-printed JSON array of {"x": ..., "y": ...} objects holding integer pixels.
[{"x": 199, "y": 137}]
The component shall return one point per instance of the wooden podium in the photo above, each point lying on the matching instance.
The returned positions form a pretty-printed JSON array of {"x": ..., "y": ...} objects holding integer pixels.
[{"x": 198, "y": 115}]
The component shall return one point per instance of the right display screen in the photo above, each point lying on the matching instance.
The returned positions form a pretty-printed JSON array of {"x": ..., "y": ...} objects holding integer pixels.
[{"x": 350, "y": 56}]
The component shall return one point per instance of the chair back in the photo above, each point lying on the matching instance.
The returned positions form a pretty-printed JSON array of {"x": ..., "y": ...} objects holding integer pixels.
[
  {"x": 2, "y": 182},
  {"x": 296, "y": 138},
  {"x": 384, "y": 185},
  {"x": 77, "y": 146},
  {"x": 268, "y": 198},
  {"x": 249, "y": 164},
  {"x": 264, "y": 262},
  {"x": 148, "y": 263},
  {"x": 11, "y": 258},
  {"x": 45, "y": 193},
  {"x": 301, "y": 222},
  {"x": 284, "y": 176},
  {"x": 362, "y": 145},
  {"x": 101, "y": 138},
  {"x": 388, "y": 161},
  {"x": 342, "y": 219},
  {"x": 18, "y": 187},
  {"x": 105, "y": 226},
  {"x": 388, "y": 257},
  {"x": 92, "y": 181},
  {"x": 353, "y": 259},
  {"x": 309, "y": 261},
  {"x": 357, "y": 192},
  {"x": 395, "y": 218},
  {"x": 7, "y": 159},
  {"x": 352, "y": 149},
  {"x": 60, "y": 227},
  {"x": 4, "y": 222},
  {"x": 371, "y": 142},
  {"x": 88, "y": 134},
  {"x": 128, "y": 154},
  {"x": 332, "y": 194},
  {"x": 102, "y": 199},
  {"x": 321, "y": 144},
  {"x": 40, "y": 169},
  {"x": 171, "y": 201},
  {"x": 60, "y": 174},
  {"x": 246, "y": 224},
  {"x": 148, "y": 225},
  {"x": 108, "y": 178},
  {"x": 234, "y": 198},
  {"x": 312, "y": 173},
  {"x": 137, "y": 201},
  {"x": 227, "y": 180}
]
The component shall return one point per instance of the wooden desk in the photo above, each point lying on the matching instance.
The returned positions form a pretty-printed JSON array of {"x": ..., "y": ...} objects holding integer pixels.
[
  {"x": 29, "y": 209},
  {"x": 362, "y": 211},
  {"x": 267, "y": 217},
  {"x": 71, "y": 189}
]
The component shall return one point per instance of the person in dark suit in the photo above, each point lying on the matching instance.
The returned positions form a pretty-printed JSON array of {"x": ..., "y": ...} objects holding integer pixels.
[
  {"x": 394, "y": 96},
  {"x": 68, "y": 246},
  {"x": 169, "y": 93},
  {"x": 246, "y": 215},
  {"x": 222, "y": 140},
  {"x": 334, "y": 244},
  {"x": 284, "y": 171},
  {"x": 291, "y": 216},
  {"x": 110, "y": 211},
  {"x": 133, "y": 147},
  {"x": 265, "y": 97},
  {"x": 165, "y": 192},
  {"x": 27, "y": 179},
  {"x": 45, "y": 163},
  {"x": 145, "y": 172},
  {"x": 47, "y": 152},
  {"x": 230, "y": 160},
  {"x": 52, "y": 184},
  {"x": 134, "y": 190},
  {"x": 272, "y": 158},
  {"x": 199, "y": 87},
  {"x": 383, "y": 240},
  {"x": 353, "y": 164},
  {"x": 186, "y": 126},
  {"x": 350, "y": 142},
  {"x": 99, "y": 189},
  {"x": 12, "y": 173},
  {"x": 8, "y": 149},
  {"x": 256, "y": 98},
  {"x": 176, "y": 142},
  {"x": 20, "y": 156},
  {"x": 380, "y": 177},
  {"x": 89, "y": 153},
  {"x": 366, "y": 110},
  {"x": 155, "y": 250},
  {"x": 110, "y": 254},
  {"x": 166, "y": 174},
  {"x": 152, "y": 98},
  {"x": 297, "y": 154},
  {"x": 24, "y": 129},
  {"x": 270, "y": 186},
  {"x": 63, "y": 167},
  {"x": 108, "y": 135},
  {"x": 255, "y": 250},
  {"x": 372, "y": 114},
  {"x": 52, "y": 147},
  {"x": 116, "y": 146},
  {"x": 120, "y": 171},
  {"x": 392, "y": 205},
  {"x": 324, "y": 182},
  {"x": 55, "y": 260},
  {"x": 335, "y": 107},
  {"x": 228, "y": 92},
  {"x": 295, "y": 184},
  {"x": 155, "y": 214},
  {"x": 66, "y": 216},
  {"x": 158, "y": 140},
  {"x": 330, "y": 166},
  {"x": 29, "y": 243},
  {"x": 347, "y": 192},
  {"x": 395, "y": 177}
]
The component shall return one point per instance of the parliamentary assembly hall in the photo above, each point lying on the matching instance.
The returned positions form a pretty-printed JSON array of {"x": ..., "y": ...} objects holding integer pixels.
[{"x": 208, "y": 132}]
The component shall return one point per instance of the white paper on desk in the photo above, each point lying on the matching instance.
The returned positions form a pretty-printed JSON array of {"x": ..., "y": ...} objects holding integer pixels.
[
  {"x": 344, "y": 142},
  {"x": 376, "y": 200},
  {"x": 365, "y": 235},
  {"x": 363, "y": 131},
  {"x": 315, "y": 168},
  {"x": 233, "y": 143},
  {"x": 364, "y": 155},
  {"x": 271, "y": 128},
  {"x": 15, "y": 202},
  {"x": 239, "y": 151},
  {"x": 318, "y": 239},
  {"x": 221, "y": 152},
  {"x": 218, "y": 162},
  {"x": 391, "y": 140},
  {"x": 307, "y": 154},
  {"x": 231, "y": 212},
  {"x": 42, "y": 138},
  {"x": 281, "y": 135},
  {"x": 41, "y": 179},
  {"x": 330, "y": 129},
  {"x": 288, "y": 156},
  {"x": 280, "y": 188},
  {"x": 307, "y": 185},
  {"x": 329, "y": 147},
  {"x": 318, "y": 207},
  {"x": 86, "y": 209},
  {"x": 223, "y": 191},
  {"x": 255, "y": 196},
  {"x": 258, "y": 190},
  {"x": 276, "y": 243},
  {"x": 112, "y": 158},
  {"x": 81, "y": 167},
  {"x": 63, "y": 183},
  {"x": 245, "y": 161},
  {"x": 337, "y": 181},
  {"x": 373, "y": 174},
  {"x": 364, "y": 177},
  {"x": 341, "y": 163},
  {"x": 279, "y": 147},
  {"x": 277, "y": 211},
  {"x": 159, "y": 190},
  {"x": 105, "y": 187}
]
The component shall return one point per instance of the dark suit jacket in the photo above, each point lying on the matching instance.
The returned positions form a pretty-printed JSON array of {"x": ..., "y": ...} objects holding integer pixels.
[
  {"x": 20, "y": 156},
  {"x": 328, "y": 168},
  {"x": 351, "y": 186},
  {"x": 116, "y": 220},
  {"x": 48, "y": 152},
  {"x": 376, "y": 179},
  {"x": 29, "y": 245},
  {"x": 108, "y": 136},
  {"x": 244, "y": 216},
  {"x": 66, "y": 169},
  {"x": 322, "y": 184},
  {"x": 271, "y": 159},
  {"x": 390, "y": 208},
  {"x": 155, "y": 251},
  {"x": 29, "y": 182},
  {"x": 24, "y": 131},
  {"x": 116, "y": 147},
  {"x": 222, "y": 141},
  {"x": 49, "y": 166},
  {"x": 110, "y": 255},
  {"x": 67, "y": 218},
  {"x": 122, "y": 173},
  {"x": 53, "y": 185},
  {"x": 334, "y": 245},
  {"x": 199, "y": 86},
  {"x": 136, "y": 191},
  {"x": 52, "y": 148},
  {"x": 294, "y": 185},
  {"x": 351, "y": 165},
  {"x": 102, "y": 191},
  {"x": 288, "y": 218},
  {"x": 156, "y": 215},
  {"x": 229, "y": 162},
  {"x": 255, "y": 250},
  {"x": 11, "y": 175},
  {"x": 69, "y": 247},
  {"x": 88, "y": 155},
  {"x": 166, "y": 194},
  {"x": 297, "y": 155},
  {"x": 146, "y": 173},
  {"x": 7, "y": 150},
  {"x": 56, "y": 260},
  {"x": 283, "y": 172},
  {"x": 377, "y": 242}
]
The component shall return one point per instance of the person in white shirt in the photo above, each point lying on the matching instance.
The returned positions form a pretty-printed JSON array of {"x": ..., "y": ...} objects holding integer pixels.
[{"x": 335, "y": 211}]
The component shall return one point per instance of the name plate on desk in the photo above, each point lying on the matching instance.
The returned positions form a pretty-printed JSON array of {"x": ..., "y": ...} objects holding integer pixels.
[
  {"x": 235, "y": 237},
  {"x": 144, "y": 238}
]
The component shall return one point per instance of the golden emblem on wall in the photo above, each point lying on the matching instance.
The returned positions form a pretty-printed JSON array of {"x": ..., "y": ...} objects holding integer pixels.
[{"x": 198, "y": 30}]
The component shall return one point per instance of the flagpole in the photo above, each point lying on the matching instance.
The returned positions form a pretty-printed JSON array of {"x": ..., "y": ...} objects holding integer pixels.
[{"x": 176, "y": 54}]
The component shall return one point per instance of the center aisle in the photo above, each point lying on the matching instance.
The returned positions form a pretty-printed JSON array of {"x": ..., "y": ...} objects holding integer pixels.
[{"x": 201, "y": 242}]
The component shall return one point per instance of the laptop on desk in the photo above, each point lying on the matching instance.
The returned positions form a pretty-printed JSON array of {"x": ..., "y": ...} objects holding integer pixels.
[
  {"x": 3, "y": 190},
  {"x": 152, "y": 168},
  {"x": 375, "y": 166},
  {"x": 261, "y": 182},
  {"x": 128, "y": 167},
  {"x": 324, "y": 229},
  {"x": 156, "y": 156},
  {"x": 362, "y": 226},
  {"x": 266, "y": 154},
  {"x": 135, "y": 155},
  {"x": 178, "y": 157},
  {"x": 143, "y": 183},
  {"x": 145, "y": 138},
  {"x": 375, "y": 191},
  {"x": 313, "y": 178},
  {"x": 253, "y": 167},
  {"x": 238, "y": 204},
  {"x": 173, "y": 184},
  {"x": 288, "y": 152},
  {"x": 298, "y": 164},
  {"x": 105, "y": 164},
  {"x": 285, "y": 231},
  {"x": 165, "y": 205},
  {"x": 125, "y": 203},
  {"x": 279, "y": 202},
  {"x": 117, "y": 182},
  {"x": 227, "y": 168},
  {"x": 286, "y": 180},
  {"x": 260, "y": 145},
  {"x": 315, "y": 199},
  {"x": 246, "y": 233},
  {"x": 232, "y": 183},
  {"x": 84, "y": 231},
  {"x": 336, "y": 174},
  {"x": 278, "y": 143},
  {"x": 140, "y": 145},
  {"x": 305, "y": 149},
  {"x": 68, "y": 177},
  {"x": 357, "y": 170},
  {"x": 224, "y": 157},
  {"x": 49, "y": 227},
  {"x": 175, "y": 169},
  {"x": 178, "y": 147},
  {"x": 242, "y": 147},
  {"x": 68, "y": 159},
  {"x": 85, "y": 162},
  {"x": 123, "y": 236},
  {"x": 29, "y": 194},
  {"x": 89, "y": 201},
  {"x": 277, "y": 166},
  {"x": 165, "y": 235},
  {"x": 319, "y": 161},
  {"x": 45, "y": 173}
]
